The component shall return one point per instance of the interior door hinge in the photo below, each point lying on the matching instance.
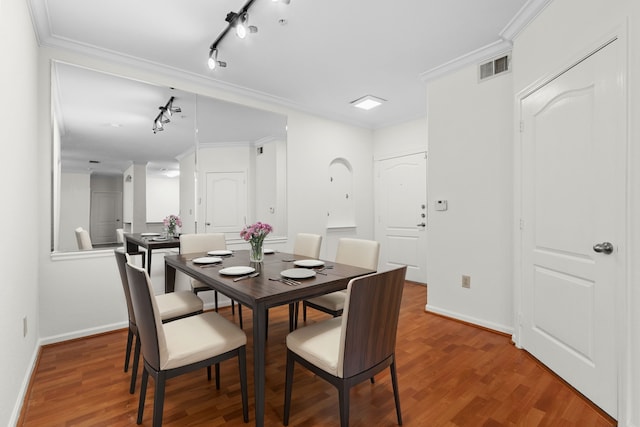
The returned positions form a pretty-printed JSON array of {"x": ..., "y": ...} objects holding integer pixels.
[
  {"x": 522, "y": 224},
  {"x": 521, "y": 126}
]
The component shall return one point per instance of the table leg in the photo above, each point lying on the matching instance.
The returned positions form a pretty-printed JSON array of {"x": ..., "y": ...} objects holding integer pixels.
[
  {"x": 149, "y": 261},
  {"x": 259, "y": 344},
  {"x": 169, "y": 278}
]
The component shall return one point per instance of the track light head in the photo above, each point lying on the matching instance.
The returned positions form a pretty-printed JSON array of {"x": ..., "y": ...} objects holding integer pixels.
[
  {"x": 242, "y": 25},
  {"x": 213, "y": 59}
]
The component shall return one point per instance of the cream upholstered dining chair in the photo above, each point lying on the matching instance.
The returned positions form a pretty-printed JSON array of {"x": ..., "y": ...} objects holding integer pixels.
[
  {"x": 83, "y": 239},
  {"x": 352, "y": 348},
  {"x": 119, "y": 235},
  {"x": 181, "y": 346},
  {"x": 171, "y": 306},
  {"x": 205, "y": 242},
  {"x": 307, "y": 245},
  {"x": 357, "y": 252}
]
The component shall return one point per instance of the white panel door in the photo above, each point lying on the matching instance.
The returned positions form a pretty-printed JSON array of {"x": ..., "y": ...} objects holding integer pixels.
[
  {"x": 401, "y": 214},
  {"x": 226, "y": 203},
  {"x": 574, "y": 171},
  {"x": 106, "y": 216}
]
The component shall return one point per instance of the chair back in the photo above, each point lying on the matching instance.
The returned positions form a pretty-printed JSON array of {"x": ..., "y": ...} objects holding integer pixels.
[
  {"x": 202, "y": 242},
  {"x": 370, "y": 321},
  {"x": 119, "y": 235},
  {"x": 121, "y": 260},
  {"x": 83, "y": 239},
  {"x": 358, "y": 252},
  {"x": 152, "y": 340},
  {"x": 307, "y": 245}
]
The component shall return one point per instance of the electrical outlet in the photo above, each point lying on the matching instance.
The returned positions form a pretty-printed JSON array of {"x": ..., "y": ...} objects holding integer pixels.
[
  {"x": 24, "y": 326},
  {"x": 466, "y": 281}
]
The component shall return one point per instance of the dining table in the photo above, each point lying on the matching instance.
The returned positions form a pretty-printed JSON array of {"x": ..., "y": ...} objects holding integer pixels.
[
  {"x": 150, "y": 242},
  {"x": 281, "y": 280}
]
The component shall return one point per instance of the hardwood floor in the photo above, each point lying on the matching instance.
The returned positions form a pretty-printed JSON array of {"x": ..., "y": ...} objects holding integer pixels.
[{"x": 449, "y": 373}]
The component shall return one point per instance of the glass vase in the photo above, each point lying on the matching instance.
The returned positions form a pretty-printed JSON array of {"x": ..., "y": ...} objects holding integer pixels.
[{"x": 256, "y": 254}]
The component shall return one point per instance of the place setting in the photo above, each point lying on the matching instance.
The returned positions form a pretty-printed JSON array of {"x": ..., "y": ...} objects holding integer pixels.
[{"x": 317, "y": 266}]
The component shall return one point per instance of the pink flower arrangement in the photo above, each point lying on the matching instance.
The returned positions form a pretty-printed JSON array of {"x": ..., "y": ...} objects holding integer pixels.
[
  {"x": 171, "y": 222},
  {"x": 255, "y": 233}
]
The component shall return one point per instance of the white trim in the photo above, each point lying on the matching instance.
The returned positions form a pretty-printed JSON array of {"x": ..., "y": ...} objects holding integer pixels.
[
  {"x": 469, "y": 319},
  {"x": 83, "y": 333},
  {"x": 526, "y": 14},
  {"x": 24, "y": 387},
  {"x": 399, "y": 154},
  {"x": 492, "y": 50}
]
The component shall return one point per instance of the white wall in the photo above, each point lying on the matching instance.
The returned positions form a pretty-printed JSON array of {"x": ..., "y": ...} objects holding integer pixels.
[
  {"x": 163, "y": 197},
  {"x": 312, "y": 144},
  {"x": 402, "y": 139},
  {"x": 564, "y": 32},
  {"x": 23, "y": 204},
  {"x": 469, "y": 165}
]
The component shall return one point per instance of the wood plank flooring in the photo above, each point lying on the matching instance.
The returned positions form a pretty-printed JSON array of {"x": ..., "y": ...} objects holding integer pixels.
[{"x": 449, "y": 373}]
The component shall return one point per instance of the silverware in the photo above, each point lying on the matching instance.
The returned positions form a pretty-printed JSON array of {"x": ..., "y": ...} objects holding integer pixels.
[
  {"x": 218, "y": 264},
  {"x": 288, "y": 282},
  {"x": 248, "y": 276}
]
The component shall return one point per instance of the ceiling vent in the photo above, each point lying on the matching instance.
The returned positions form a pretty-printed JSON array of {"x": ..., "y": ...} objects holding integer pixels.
[{"x": 494, "y": 67}]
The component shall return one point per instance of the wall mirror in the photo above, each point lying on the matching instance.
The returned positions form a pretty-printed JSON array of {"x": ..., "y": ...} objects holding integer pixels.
[{"x": 217, "y": 164}]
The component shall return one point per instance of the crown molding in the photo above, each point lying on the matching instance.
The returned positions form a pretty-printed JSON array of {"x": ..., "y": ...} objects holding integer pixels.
[
  {"x": 527, "y": 13},
  {"x": 491, "y": 50}
]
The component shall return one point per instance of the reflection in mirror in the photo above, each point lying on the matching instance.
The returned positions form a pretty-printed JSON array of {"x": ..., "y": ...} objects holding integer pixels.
[{"x": 111, "y": 171}]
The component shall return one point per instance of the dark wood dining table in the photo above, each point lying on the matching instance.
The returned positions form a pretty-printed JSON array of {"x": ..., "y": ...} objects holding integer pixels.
[
  {"x": 259, "y": 293},
  {"x": 148, "y": 241}
]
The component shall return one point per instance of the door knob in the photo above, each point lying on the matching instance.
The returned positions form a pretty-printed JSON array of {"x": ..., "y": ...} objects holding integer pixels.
[
  {"x": 422, "y": 224},
  {"x": 604, "y": 247}
]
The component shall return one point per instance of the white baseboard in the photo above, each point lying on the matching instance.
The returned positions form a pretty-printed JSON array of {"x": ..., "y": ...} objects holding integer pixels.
[
  {"x": 15, "y": 415},
  {"x": 82, "y": 333},
  {"x": 480, "y": 322}
]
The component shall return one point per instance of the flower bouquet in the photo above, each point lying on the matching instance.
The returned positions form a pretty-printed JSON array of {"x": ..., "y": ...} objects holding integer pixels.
[
  {"x": 255, "y": 234},
  {"x": 171, "y": 224}
]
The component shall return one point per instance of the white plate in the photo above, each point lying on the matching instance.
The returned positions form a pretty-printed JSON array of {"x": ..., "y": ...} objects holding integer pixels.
[
  {"x": 239, "y": 270},
  {"x": 308, "y": 263},
  {"x": 298, "y": 273},
  {"x": 160, "y": 239},
  {"x": 149, "y": 234},
  {"x": 220, "y": 252},
  {"x": 268, "y": 251},
  {"x": 207, "y": 260}
]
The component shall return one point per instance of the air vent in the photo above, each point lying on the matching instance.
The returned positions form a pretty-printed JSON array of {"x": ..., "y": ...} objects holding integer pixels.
[{"x": 494, "y": 67}]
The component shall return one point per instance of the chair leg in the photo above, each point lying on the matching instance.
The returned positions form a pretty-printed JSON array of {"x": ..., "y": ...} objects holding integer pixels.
[
  {"x": 240, "y": 314},
  {"x": 134, "y": 368},
  {"x": 143, "y": 395},
  {"x": 217, "y": 376},
  {"x": 288, "y": 386},
  {"x": 158, "y": 399},
  {"x": 343, "y": 395},
  {"x": 295, "y": 315},
  {"x": 215, "y": 298},
  {"x": 209, "y": 373},
  {"x": 128, "y": 354},
  {"x": 396, "y": 394},
  {"x": 242, "y": 363},
  {"x": 304, "y": 311},
  {"x": 233, "y": 307}
]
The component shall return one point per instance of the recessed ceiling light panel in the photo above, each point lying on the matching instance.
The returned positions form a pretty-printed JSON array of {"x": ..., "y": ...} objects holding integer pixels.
[{"x": 368, "y": 102}]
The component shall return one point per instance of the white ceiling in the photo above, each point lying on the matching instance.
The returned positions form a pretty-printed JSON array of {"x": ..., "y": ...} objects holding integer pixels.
[{"x": 329, "y": 53}]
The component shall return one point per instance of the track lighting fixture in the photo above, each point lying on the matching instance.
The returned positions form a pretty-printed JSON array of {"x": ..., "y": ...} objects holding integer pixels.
[
  {"x": 164, "y": 116},
  {"x": 239, "y": 21},
  {"x": 213, "y": 59}
]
